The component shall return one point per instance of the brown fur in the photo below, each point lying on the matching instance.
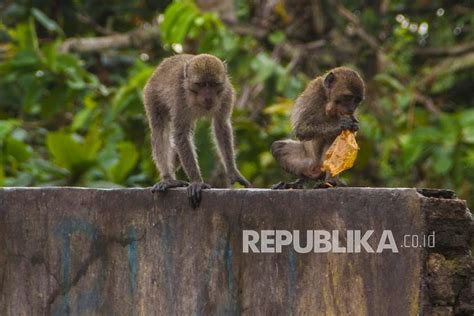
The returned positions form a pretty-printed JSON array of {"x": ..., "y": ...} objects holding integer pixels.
[
  {"x": 182, "y": 89},
  {"x": 321, "y": 112}
]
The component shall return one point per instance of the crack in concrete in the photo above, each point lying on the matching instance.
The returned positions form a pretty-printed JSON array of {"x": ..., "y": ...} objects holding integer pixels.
[
  {"x": 4, "y": 273},
  {"x": 38, "y": 259}
]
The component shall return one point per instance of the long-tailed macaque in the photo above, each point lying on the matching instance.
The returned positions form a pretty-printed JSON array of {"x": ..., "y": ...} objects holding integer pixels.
[
  {"x": 182, "y": 89},
  {"x": 324, "y": 109}
]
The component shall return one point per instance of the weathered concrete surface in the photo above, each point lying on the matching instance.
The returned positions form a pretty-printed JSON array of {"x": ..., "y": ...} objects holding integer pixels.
[{"x": 128, "y": 252}]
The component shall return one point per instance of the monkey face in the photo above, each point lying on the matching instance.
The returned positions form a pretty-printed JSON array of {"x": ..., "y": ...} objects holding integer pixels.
[
  {"x": 205, "y": 81},
  {"x": 346, "y": 104},
  {"x": 345, "y": 91},
  {"x": 205, "y": 94}
]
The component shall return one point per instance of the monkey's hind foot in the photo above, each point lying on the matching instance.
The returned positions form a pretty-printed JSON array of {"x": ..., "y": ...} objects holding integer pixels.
[
  {"x": 164, "y": 185},
  {"x": 331, "y": 183},
  {"x": 323, "y": 185},
  {"x": 298, "y": 184},
  {"x": 195, "y": 192}
]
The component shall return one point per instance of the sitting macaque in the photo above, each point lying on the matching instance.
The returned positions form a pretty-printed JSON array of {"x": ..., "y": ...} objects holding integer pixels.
[
  {"x": 182, "y": 89},
  {"x": 324, "y": 109}
]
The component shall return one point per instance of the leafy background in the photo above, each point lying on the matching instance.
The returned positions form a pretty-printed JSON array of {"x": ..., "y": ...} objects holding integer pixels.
[{"x": 72, "y": 74}]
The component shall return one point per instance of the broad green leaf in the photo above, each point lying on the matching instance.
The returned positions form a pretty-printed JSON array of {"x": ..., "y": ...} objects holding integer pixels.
[
  {"x": 92, "y": 144},
  {"x": 181, "y": 28},
  {"x": 65, "y": 150},
  {"x": 468, "y": 134},
  {"x": 6, "y": 127},
  {"x": 45, "y": 21},
  {"x": 81, "y": 119},
  {"x": 70, "y": 152},
  {"x": 2, "y": 174},
  {"x": 45, "y": 168},
  {"x": 50, "y": 53},
  {"x": 282, "y": 107},
  {"x": 443, "y": 83},
  {"x": 412, "y": 150},
  {"x": 442, "y": 160},
  {"x": 28, "y": 60},
  {"x": 171, "y": 15},
  {"x": 205, "y": 148},
  {"x": 55, "y": 100},
  {"x": 404, "y": 99},
  {"x": 128, "y": 158},
  {"x": 75, "y": 82},
  {"x": 277, "y": 37},
  {"x": 26, "y": 37},
  {"x": 466, "y": 119},
  {"x": 264, "y": 67},
  {"x": 17, "y": 150},
  {"x": 132, "y": 91}
]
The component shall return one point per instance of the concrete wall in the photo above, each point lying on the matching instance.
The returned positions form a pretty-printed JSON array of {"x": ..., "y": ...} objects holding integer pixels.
[{"x": 128, "y": 252}]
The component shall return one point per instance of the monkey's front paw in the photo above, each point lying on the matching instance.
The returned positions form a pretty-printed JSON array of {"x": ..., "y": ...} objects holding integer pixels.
[
  {"x": 240, "y": 179},
  {"x": 349, "y": 123},
  {"x": 303, "y": 136},
  {"x": 164, "y": 185},
  {"x": 194, "y": 193}
]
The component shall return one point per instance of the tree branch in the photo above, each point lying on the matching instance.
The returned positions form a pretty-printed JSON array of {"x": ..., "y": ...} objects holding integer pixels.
[
  {"x": 448, "y": 65},
  {"x": 137, "y": 38},
  {"x": 371, "y": 41},
  {"x": 248, "y": 29},
  {"x": 359, "y": 31},
  {"x": 445, "y": 51}
]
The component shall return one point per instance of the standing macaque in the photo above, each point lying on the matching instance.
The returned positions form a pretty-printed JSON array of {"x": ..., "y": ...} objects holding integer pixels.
[
  {"x": 182, "y": 89},
  {"x": 324, "y": 109}
]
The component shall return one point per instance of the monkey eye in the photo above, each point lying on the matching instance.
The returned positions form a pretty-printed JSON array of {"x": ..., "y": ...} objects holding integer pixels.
[
  {"x": 200, "y": 84},
  {"x": 347, "y": 98},
  {"x": 358, "y": 99},
  {"x": 214, "y": 84}
]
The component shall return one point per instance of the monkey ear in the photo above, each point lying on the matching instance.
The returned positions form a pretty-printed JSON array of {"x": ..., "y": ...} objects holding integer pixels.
[
  {"x": 329, "y": 80},
  {"x": 185, "y": 70},
  {"x": 224, "y": 62}
]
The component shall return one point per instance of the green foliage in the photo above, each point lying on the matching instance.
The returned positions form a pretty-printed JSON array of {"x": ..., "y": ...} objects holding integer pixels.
[
  {"x": 46, "y": 22},
  {"x": 69, "y": 119},
  {"x": 127, "y": 158},
  {"x": 72, "y": 152},
  {"x": 183, "y": 19}
]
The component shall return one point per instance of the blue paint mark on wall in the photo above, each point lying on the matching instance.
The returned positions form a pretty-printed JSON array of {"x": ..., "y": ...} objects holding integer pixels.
[
  {"x": 203, "y": 294},
  {"x": 221, "y": 254},
  {"x": 166, "y": 249},
  {"x": 291, "y": 281},
  {"x": 65, "y": 230},
  {"x": 228, "y": 254},
  {"x": 132, "y": 266},
  {"x": 233, "y": 306}
]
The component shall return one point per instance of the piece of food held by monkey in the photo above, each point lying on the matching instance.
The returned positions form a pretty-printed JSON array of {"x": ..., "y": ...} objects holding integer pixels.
[
  {"x": 322, "y": 112},
  {"x": 342, "y": 154},
  {"x": 182, "y": 89}
]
